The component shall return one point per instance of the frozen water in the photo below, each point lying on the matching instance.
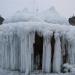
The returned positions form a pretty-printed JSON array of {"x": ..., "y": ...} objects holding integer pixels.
[
  {"x": 17, "y": 37},
  {"x": 48, "y": 16}
]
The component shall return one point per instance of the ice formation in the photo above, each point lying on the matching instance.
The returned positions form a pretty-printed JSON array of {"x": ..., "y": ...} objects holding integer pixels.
[
  {"x": 17, "y": 38},
  {"x": 52, "y": 16},
  {"x": 23, "y": 16},
  {"x": 48, "y": 16},
  {"x": 57, "y": 54}
]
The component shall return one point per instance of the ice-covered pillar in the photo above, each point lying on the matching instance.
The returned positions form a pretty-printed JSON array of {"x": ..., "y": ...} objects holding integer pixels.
[
  {"x": 71, "y": 46},
  {"x": 23, "y": 51},
  {"x": 57, "y": 54},
  {"x": 27, "y": 41},
  {"x": 12, "y": 52},
  {"x": 46, "y": 67},
  {"x": 2, "y": 49},
  {"x": 71, "y": 51},
  {"x": 31, "y": 42},
  {"x": 6, "y": 51},
  {"x": 14, "y": 47},
  {"x": 30, "y": 53}
]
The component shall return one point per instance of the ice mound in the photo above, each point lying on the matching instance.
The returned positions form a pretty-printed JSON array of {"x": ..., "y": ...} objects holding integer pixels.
[
  {"x": 48, "y": 16},
  {"x": 52, "y": 16},
  {"x": 23, "y": 16}
]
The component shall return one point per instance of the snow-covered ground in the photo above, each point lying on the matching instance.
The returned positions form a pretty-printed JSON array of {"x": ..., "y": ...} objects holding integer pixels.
[{"x": 5, "y": 72}]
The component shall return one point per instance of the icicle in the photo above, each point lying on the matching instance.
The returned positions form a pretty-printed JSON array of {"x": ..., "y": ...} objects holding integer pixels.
[
  {"x": 31, "y": 42},
  {"x": 57, "y": 54},
  {"x": 71, "y": 48},
  {"x": 7, "y": 52},
  {"x": 28, "y": 61},
  {"x": 2, "y": 49},
  {"x": 47, "y": 53},
  {"x": 72, "y": 52},
  {"x": 69, "y": 53},
  {"x": 26, "y": 52},
  {"x": 23, "y": 52},
  {"x": 14, "y": 51},
  {"x": 30, "y": 45}
]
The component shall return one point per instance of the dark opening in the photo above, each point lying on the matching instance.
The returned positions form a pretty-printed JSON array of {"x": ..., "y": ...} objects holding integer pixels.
[
  {"x": 38, "y": 52},
  {"x": 52, "y": 51}
]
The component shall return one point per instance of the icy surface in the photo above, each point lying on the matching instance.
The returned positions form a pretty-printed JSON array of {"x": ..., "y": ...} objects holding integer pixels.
[
  {"x": 23, "y": 16},
  {"x": 49, "y": 16},
  {"x": 16, "y": 45},
  {"x": 47, "y": 52},
  {"x": 52, "y": 16},
  {"x": 6, "y": 72},
  {"x": 57, "y": 54}
]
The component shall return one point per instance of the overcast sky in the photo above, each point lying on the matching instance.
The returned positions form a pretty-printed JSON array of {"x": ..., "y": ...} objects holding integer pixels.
[{"x": 65, "y": 7}]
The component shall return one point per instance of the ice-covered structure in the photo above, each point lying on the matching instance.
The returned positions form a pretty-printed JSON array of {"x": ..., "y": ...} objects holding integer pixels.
[{"x": 28, "y": 44}]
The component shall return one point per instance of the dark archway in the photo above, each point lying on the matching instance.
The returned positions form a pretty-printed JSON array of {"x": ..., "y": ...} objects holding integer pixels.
[{"x": 38, "y": 52}]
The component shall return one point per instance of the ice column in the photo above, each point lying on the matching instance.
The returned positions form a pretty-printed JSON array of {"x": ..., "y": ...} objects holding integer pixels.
[
  {"x": 30, "y": 52},
  {"x": 47, "y": 52},
  {"x": 27, "y": 41},
  {"x": 63, "y": 47},
  {"x": 71, "y": 46},
  {"x": 57, "y": 54},
  {"x": 14, "y": 58},
  {"x": 31, "y": 42},
  {"x": 6, "y": 51},
  {"x": 71, "y": 50},
  {"x": 23, "y": 51},
  {"x": 2, "y": 49},
  {"x": 12, "y": 52}
]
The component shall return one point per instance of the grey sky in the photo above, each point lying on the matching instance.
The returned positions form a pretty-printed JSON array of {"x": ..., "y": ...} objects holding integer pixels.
[{"x": 65, "y": 7}]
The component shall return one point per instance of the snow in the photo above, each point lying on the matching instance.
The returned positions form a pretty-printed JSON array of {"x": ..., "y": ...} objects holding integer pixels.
[
  {"x": 69, "y": 67},
  {"x": 52, "y": 16},
  {"x": 48, "y": 16},
  {"x": 23, "y": 16},
  {"x": 6, "y": 72}
]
